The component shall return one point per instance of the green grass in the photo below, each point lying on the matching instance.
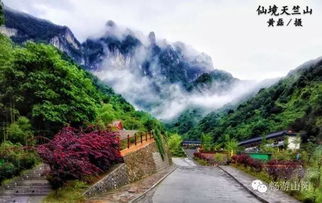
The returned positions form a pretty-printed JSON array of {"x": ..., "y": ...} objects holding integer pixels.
[{"x": 71, "y": 192}]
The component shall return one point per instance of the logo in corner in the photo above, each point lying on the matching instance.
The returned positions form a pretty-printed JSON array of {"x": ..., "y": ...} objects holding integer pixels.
[{"x": 259, "y": 186}]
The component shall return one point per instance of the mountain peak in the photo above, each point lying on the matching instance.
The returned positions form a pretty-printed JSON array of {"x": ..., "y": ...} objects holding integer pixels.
[
  {"x": 143, "y": 69},
  {"x": 110, "y": 23},
  {"x": 152, "y": 38}
]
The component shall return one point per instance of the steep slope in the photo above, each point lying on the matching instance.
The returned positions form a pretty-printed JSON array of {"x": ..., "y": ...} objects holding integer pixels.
[
  {"x": 295, "y": 102},
  {"x": 162, "y": 78},
  {"x": 22, "y": 27},
  {"x": 38, "y": 84}
]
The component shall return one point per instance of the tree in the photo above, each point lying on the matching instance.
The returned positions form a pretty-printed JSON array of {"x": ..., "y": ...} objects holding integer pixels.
[
  {"x": 75, "y": 154},
  {"x": 48, "y": 90},
  {"x": 174, "y": 144},
  {"x": 105, "y": 115},
  {"x": 20, "y": 131},
  {"x": 207, "y": 142},
  {"x": 1, "y": 13},
  {"x": 231, "y": 145},
  {"x": 217, "y": 146}
]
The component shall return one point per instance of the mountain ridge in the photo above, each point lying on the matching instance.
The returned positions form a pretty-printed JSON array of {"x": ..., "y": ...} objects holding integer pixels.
[
  {"x": 295, "y": 103},
  {"x": 169, "y": 72}
]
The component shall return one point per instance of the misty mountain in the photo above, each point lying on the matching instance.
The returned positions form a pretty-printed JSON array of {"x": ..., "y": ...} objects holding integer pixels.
[
  {"x": 294, "y": 102},
  {"x": 22, "y": 27},
  {"x": 154, "y": 75}
]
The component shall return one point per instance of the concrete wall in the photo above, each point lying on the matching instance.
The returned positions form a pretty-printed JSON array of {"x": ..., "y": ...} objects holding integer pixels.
[{"x": 136, "y": 166}]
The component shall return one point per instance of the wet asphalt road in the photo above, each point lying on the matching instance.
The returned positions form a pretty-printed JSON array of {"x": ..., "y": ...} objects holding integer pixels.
[{"x": 191, "y": 183}]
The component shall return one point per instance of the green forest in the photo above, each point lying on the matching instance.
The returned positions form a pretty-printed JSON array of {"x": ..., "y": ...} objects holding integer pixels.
[
  {"x": 41, "y": 91},
  {"x": 41, "y": 87},
  {"x": 294, "y": 103}
]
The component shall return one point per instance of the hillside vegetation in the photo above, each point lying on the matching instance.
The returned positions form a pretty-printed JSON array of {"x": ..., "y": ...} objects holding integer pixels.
[
  {"x": 295, "y": 102},
  {"x": 41, "y": 91},
  {"x": 38, "y": 83}
]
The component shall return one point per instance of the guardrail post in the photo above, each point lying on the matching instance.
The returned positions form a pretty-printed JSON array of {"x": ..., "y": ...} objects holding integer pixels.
[
  {"x": 128, "y": 141},
  {"x": 146, "y": 137},
  {"x": 141, "y": 138},
  {"x": 135, "y": 139}
]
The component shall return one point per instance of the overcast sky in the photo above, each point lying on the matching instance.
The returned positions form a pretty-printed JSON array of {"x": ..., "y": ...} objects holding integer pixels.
[{"x": 230, "y": 31}]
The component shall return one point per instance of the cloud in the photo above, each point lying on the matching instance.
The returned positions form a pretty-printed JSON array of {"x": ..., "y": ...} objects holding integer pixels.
[
  {"x": 229, "y": 31},
  {"x": 155, "y": 94}
]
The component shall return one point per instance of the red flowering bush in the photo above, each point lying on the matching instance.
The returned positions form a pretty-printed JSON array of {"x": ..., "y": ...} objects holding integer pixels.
[
  {"x": 284, "y": 169},
  {"x": 244, "y": 159},
  {"x": 247, "y": 161},
  {"x": 256, "y": 165},
  {"x": 234, "y": 159},
  {"x": 205, "y": 156},
  {"x": 74, "y": 154},
  {"x": 212, "y": 158}
]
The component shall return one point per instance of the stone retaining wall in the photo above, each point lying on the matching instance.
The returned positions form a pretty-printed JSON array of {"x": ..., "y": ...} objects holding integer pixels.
[
  {"x": 137, "y": 165},
  {"x": 116, "y": 178}
]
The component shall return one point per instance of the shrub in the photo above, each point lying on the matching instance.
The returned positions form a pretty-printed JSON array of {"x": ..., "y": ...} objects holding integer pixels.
[
  {"x": 243, "y": 159},
  {"x": 283, "y": 169},
  {"x": 7, "y": 170},
  {"x": 211, "y": 158},
  {"x": 283, "y": 155},
  {"x": 20, "y": 131},
  {"x": 72, "y": 191},
  {"x": 15, "y": 159},
  {"x": 220, "y": 158},
  {"x": 256, "y": 165},
  {"x": 207, "y": 142},
  {"x": 206, "y": 157},
  {"x": 174, "y": 143},
  {"x": 28, "y": 160},
  {"x": 247, "y": 161},
  {"x": 74, "y": 154}
]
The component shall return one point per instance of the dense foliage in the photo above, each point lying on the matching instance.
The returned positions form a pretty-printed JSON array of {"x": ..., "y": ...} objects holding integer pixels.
[
  {"x": 42, "y": 90},
  {"x": 211, "y": 158},
  {"x": 1, "y": 13},
  {"x": 174, "y": 144},
  {"x": 295, "y": 102},
  {"x": 20, "y": 132},
  {"x": 72, "y": 191},
  {"x": 282, "y": 169},
  {"x": 14, "y": 158},
  {"x": 186, "y": 120},
  {"x": 305, "y": 171},
  {"x": 75, "y": 154},
  {"x": 39, "y": 83}
]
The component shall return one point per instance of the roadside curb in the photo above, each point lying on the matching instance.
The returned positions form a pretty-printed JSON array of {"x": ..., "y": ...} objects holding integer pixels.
[
  {"x": 153, "y": 186},
  {"x": 244, "y": 186}
]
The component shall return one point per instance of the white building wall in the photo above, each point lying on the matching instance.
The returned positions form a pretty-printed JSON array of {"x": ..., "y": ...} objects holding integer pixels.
[{"x": 294, "y": 142}]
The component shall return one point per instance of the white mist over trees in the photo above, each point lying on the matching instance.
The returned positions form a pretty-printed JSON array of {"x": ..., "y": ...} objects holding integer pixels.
[{"x": 151, "y": 89}]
